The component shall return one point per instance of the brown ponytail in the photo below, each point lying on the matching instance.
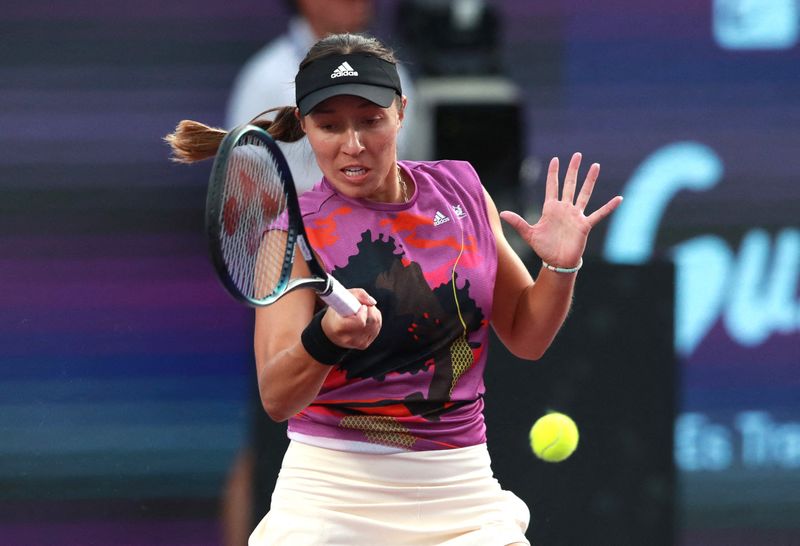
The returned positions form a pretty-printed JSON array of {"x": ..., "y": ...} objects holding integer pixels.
[{"x": 193, "y": 141}]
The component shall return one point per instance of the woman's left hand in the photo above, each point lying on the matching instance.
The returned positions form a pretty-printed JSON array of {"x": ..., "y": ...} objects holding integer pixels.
[{"x": 559, "y": 237}]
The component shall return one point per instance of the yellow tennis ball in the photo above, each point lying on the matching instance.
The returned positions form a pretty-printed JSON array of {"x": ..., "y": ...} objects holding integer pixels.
[{"x": 554, "y": 437}]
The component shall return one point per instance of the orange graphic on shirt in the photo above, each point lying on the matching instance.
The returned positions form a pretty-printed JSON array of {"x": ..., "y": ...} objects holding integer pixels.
[
  {"x": 442, "y": 274},
  {"x": 405, "y": 221},
  {"x": 323, "y": 231}
]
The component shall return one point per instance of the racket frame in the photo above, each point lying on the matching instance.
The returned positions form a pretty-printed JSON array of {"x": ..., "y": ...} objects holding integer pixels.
[{"x": 326, "y": 286}]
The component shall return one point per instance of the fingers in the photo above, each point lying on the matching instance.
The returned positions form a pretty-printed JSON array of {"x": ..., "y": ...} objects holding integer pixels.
[
  {"x": 571, "y": 178},
  {"x": 604, "y": 211},
  {"x": 571, "y": 182},
  {"x": 362, "y": 296},
  {"x": 551, "y": 185},
  {"x": 368, "y": 329},
  {"x": 373, "y": 321},
  {"x": 568, "y": 194},
  {"x": 357, "y": 331},
  {"x": 588, "y": 187},
  {"x": 515, "y": 221},
  {"x": 369, "y": 317}
]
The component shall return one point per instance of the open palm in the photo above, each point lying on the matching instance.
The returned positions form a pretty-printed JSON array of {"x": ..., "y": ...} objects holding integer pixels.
[{"x": 559, "y": 237}]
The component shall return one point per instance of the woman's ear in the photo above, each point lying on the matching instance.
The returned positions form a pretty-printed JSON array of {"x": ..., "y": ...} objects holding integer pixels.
[
  {"x": 401, "y": 112},
  {"x": 300, "y": 118}
]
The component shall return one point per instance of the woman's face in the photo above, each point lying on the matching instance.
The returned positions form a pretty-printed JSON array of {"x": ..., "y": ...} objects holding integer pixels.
[{"x": 355, "y": 143}]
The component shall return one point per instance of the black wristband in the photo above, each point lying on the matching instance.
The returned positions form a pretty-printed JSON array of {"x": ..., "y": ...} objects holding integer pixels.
[{"x": 317, "y": 344}]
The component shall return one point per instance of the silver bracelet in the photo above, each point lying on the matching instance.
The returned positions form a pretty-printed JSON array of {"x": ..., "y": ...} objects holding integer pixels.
[{"x": 563, "y": 269}]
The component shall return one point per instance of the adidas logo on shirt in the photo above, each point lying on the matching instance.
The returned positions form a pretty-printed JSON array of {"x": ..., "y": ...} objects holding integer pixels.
[
  {"x": 440, "y": 219},
  {"x": 344, "y": 69}
]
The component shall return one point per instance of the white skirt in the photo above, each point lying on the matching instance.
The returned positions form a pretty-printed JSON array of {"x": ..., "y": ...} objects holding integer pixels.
[{"x": 448, "y": 497}]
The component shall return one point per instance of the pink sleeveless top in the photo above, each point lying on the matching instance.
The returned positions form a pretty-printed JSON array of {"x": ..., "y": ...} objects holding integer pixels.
[{"x": 431, "y": 265}]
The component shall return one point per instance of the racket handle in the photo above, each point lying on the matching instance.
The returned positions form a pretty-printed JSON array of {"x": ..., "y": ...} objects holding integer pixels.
[{"x": 341, "y": 300}]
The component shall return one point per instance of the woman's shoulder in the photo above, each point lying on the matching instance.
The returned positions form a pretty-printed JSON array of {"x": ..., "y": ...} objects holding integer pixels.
[
  {"x": 440, "y": 165},
  {"x": 314, "y": 199},
  {"x": 453, "y": 171}
]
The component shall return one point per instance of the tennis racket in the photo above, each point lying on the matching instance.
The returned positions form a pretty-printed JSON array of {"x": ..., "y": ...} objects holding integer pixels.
[{"x": 253, "y": 222}]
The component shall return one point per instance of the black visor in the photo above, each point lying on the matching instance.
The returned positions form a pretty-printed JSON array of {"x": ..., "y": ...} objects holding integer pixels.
[{"x": 358, "y": 74}]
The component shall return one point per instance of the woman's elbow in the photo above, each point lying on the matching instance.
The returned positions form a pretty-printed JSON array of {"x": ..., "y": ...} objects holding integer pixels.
[
  {"x": 276, "y": 411},
  {"x": 529, "y": 351},
  {"x": 278, "y": 408}
]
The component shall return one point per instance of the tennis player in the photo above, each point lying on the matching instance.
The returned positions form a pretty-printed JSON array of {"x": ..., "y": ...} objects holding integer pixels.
[{"x": 385, "y": 408}]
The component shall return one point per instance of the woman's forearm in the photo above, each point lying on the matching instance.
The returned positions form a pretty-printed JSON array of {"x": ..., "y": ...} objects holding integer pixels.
[
  {"x": 288, "y": 381},
  {"x": 540, "y": 313}
]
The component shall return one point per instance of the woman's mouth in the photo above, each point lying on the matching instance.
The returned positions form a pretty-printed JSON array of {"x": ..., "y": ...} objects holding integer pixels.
[{"x": 354, "y": 172}]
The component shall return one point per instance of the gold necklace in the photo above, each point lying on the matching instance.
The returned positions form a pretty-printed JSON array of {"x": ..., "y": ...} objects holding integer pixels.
[{"x": 402, "y": 183}]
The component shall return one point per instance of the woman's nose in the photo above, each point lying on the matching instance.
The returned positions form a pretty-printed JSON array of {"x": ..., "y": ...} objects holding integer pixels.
[{"x": 352, "y": 142}]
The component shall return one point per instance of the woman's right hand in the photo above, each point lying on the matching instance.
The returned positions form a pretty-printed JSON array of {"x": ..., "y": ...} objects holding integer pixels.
[{"x": 357, "y": 331}]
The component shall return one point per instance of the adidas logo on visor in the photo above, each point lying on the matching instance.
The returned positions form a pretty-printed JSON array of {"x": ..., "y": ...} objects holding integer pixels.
[{"x": 344, "y": 69}]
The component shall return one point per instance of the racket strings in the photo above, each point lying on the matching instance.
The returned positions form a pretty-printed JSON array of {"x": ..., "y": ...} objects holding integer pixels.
[{"x": 254, "y": 238}]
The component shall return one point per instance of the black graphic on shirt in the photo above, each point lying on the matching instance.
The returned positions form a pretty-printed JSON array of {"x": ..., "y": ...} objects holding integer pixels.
[{"x": 420, "y": 325}]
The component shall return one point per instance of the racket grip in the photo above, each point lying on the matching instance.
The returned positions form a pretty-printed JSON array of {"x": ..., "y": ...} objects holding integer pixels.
[{"x": 341, "y": 300}]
